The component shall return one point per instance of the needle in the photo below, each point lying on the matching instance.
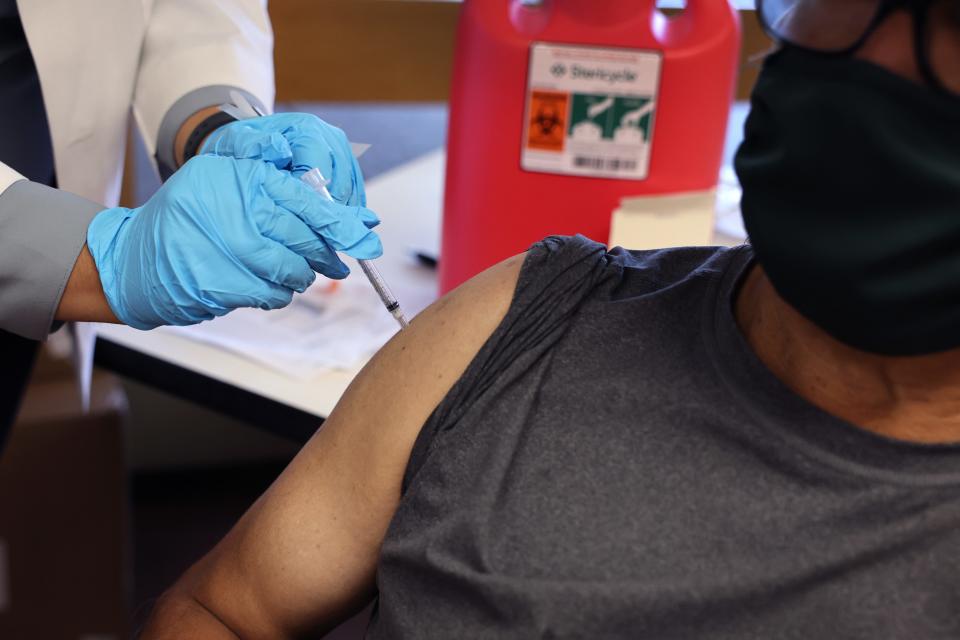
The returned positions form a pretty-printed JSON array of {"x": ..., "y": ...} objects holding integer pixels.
[{"x": 318, "y": 183}]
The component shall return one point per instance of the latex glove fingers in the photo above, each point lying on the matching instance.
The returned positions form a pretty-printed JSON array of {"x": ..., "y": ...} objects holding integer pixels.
[
  {"x": 241, "y": 141},
  {"x": 287, "y": 229},
  {"x": 344, "y": 228},
  {"x": 229, "y": 208},
  {"x": 312, "y": 142},
  {"x": 278, "y": 264},
  {"x": 316, "y": 144},
  {"x": 335, "y": 160}
]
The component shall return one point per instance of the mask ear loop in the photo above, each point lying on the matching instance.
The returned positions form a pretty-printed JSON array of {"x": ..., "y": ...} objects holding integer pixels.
[
  {"x": 884, "y": 9},
  {"x": 921, "y": 21}
]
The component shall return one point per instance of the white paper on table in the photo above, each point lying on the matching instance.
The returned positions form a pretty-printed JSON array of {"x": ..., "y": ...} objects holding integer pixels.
[
  {"x": 673, "y": 220},
  {"x": 318, "y": 332},
  {"x": 729, "y": 193},
  {"x": 84, "y": 335}
]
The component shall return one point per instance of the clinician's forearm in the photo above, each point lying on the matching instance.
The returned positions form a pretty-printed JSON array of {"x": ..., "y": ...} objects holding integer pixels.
[
  {"x": 186, "y": 129},
  {"x": 83, "y": 298}
]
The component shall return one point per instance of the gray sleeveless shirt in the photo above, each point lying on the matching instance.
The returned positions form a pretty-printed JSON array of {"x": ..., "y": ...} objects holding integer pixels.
[{"x": 617, "y": 463}]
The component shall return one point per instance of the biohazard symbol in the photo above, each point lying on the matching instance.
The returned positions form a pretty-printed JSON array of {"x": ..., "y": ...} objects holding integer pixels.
[{"x": 547, "y": 127}]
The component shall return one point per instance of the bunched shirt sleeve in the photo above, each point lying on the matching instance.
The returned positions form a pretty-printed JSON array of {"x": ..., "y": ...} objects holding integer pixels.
[
  {"x": 558, "y": 275},
  {"x": 42, "y": 231}
]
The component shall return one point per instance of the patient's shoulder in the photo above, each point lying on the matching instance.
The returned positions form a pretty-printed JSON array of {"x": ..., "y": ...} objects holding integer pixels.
[
  {"x": 502, "y": 302},
  {"x": 440, "y": 342},
  {"x": 392, "y": 398},
  {"x": 383, "y": 410}
]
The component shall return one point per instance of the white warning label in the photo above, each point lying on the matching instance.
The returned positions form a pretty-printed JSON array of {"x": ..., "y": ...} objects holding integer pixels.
[{"x": 590, "y": 111}]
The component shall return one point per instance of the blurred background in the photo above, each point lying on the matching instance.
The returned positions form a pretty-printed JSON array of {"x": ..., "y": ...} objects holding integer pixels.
[{"x": 146, "y": 483}]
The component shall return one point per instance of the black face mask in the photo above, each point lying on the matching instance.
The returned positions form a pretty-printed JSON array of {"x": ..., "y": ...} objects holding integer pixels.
[{"x": 851, "y": 198}]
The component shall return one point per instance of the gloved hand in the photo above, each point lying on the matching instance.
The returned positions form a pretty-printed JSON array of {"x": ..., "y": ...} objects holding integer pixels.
[
  {"x": 222, "y": 234},
  {"x": 296, "y": 142}
]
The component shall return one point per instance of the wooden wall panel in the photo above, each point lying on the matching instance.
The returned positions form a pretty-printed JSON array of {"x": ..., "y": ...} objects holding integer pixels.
[
  {"x": 363, "y": 50},
  {"x": 392, "y": 50}
]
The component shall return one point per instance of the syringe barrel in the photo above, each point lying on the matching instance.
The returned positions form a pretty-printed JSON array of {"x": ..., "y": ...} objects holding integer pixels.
[
  {"x": 373, "y": 275},
  {"x": 316, "y": 181},
  {"x": 314, "y": 178}
]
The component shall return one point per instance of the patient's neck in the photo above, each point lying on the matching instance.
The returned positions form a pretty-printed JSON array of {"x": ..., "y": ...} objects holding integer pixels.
[{"x": 909, "y": 398}]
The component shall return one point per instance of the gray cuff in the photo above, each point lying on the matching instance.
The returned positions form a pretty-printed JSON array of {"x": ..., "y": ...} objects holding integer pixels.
[
  {"x": 42, "y": 231},
  {"x": 182, "y": 109}
]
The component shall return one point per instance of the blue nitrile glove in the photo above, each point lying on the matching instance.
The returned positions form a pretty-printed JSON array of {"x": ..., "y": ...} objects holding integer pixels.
[
  {"x": 297, "y": 142},
  {"x": 222, "y": 234}
]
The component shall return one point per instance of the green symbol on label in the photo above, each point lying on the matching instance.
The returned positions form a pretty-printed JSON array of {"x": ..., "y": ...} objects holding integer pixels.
[{"x": 620, "y": 119}]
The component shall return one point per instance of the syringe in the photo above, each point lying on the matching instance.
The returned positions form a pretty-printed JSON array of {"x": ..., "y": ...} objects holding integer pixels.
[{"x": 314, "y": 178}]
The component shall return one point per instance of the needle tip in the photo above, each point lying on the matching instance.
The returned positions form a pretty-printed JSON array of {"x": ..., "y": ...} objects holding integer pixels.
[{"x": 402, "y": 319}]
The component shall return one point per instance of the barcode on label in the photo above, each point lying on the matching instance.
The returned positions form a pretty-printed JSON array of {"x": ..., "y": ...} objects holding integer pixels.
[{"x": 605, "y": 164}]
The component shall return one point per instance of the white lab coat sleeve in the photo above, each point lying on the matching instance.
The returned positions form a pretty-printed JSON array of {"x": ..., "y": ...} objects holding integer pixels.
[
  {"x": 42, "y": 231},
  {"x": 192, "y": 44},
  {"x": 8, "y": 176}
]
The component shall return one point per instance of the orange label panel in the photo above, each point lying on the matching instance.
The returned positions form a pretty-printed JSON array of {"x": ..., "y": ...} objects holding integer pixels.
[{"x": 547, "y": 128}]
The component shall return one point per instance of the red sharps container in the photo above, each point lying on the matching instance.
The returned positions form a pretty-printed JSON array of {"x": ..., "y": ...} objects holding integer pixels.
[{"x": 561, "y": 108}]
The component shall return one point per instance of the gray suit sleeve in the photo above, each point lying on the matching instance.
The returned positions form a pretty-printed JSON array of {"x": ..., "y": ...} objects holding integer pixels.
[
  {"x": 42, "y": 231},
  {"x": 182, "y": 109}
]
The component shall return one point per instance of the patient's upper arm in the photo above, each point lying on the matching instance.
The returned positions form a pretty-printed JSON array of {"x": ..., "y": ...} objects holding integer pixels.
[{"x": 304, "y": 557}]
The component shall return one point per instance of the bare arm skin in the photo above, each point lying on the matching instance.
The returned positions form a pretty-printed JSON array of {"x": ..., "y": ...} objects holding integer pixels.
[
  {"x": 303, "y": 558},
  {"x": 180, "y": 140},
  {"x": 83, "y": 298}
]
